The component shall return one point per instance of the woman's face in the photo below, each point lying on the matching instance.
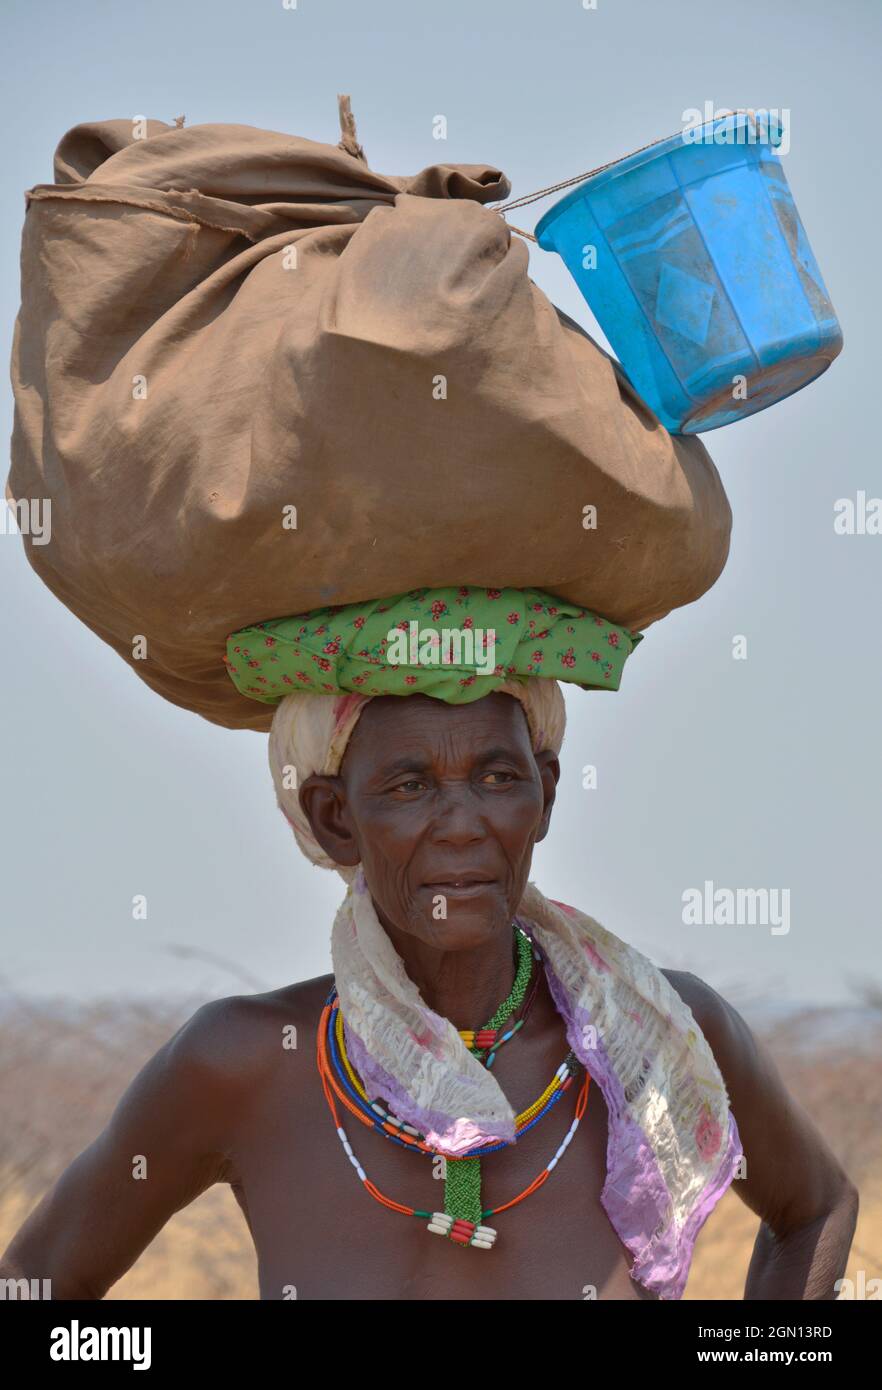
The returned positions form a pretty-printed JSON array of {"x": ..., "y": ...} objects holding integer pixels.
[{"x": 441, "y": 804}]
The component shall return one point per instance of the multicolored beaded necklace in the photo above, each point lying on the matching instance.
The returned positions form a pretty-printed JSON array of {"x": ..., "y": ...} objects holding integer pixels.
[{"x": 462, "y": 1219}]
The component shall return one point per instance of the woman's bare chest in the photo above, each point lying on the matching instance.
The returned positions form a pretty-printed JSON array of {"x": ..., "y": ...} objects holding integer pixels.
[{"x": 320, "y": 1234}]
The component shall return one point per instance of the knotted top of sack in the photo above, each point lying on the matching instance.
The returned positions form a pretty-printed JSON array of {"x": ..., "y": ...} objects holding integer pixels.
[{"x": 265, "y": 169}]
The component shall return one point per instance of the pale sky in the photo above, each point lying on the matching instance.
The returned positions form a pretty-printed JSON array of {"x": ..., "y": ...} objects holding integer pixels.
[{"x": 759, "y": 774}]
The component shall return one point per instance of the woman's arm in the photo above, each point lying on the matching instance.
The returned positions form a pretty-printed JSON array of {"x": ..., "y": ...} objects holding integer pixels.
[
  {"x": 794, "y": 1182},
  {"x": 164, "y": 1144}
]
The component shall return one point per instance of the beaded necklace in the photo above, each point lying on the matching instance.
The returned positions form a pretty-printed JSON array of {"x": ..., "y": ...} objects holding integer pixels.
[
  {"x": 462, "y": 1177},
  {"x": 485, "y": 1040},
  {"x": 462, "y": 1220}
]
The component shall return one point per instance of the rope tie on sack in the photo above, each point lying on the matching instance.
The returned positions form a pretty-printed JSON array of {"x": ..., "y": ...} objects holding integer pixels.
[{"x": 349, "y": 140}]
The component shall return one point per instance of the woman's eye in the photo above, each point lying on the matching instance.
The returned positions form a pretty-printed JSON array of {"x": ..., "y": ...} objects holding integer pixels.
[{"x": 415, "y": 784}]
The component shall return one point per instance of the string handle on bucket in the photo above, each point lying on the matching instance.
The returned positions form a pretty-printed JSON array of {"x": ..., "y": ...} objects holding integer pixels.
[{"x": 580, "y": 178}]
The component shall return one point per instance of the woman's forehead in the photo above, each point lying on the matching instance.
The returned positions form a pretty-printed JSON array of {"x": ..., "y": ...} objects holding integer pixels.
[{"x": 393, "y": 726}]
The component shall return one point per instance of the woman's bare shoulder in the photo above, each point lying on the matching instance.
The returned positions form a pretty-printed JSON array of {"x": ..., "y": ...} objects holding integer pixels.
[
  {"x": 238, "y": 1038},
  {"x": 715, "y": 1016}
]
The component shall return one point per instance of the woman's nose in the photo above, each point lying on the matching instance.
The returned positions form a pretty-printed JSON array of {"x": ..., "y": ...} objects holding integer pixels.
[{"x": 458, "y": 818}]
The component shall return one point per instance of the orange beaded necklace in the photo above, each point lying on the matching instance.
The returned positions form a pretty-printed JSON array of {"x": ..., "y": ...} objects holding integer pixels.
[{"x": 331, "y": 1044}]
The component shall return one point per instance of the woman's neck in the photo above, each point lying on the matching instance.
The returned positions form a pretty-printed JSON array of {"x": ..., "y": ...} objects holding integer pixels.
[{"x": 464, "y": 986}]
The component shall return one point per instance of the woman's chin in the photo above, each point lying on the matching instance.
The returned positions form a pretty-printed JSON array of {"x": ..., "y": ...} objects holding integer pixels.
[{"x": 468, "y": 925}]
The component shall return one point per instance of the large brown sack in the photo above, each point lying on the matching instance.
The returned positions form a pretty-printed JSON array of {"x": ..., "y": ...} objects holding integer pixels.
[{"x": 166, "y": 263}]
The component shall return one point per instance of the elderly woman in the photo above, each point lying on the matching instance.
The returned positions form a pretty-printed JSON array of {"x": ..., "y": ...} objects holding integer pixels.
[{"x": 492, "y": 1097}]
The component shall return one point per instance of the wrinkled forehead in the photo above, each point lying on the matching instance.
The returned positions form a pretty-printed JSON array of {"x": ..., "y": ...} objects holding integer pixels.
[{"x": 392, "y": 727}]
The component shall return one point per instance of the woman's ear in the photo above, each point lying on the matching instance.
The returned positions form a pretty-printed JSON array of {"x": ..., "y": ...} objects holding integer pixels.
[
  {"x": 549, "y": 773},
  {"x": 323, "y": 802}
]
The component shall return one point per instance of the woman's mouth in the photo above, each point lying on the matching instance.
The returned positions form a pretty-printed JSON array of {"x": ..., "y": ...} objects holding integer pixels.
[{"x": 464, "y": 887}]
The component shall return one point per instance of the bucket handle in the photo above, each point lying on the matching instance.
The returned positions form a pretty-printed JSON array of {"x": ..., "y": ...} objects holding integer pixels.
[{"x": 580, "y": 178}]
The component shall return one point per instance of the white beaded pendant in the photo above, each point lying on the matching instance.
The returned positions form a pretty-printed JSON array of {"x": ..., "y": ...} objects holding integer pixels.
[{"x": 467, "y": 1233}]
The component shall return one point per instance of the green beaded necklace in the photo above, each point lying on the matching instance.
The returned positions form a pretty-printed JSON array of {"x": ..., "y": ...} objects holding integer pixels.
[{"x": 462, "y": 1176}]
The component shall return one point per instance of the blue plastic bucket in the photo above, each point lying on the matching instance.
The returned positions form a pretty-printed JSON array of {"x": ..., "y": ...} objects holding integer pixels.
[{"x": 704, "y": 283}]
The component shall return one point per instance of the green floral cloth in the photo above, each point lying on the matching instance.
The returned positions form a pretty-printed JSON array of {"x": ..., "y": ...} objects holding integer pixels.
[{"x": 456, "y": 644}]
